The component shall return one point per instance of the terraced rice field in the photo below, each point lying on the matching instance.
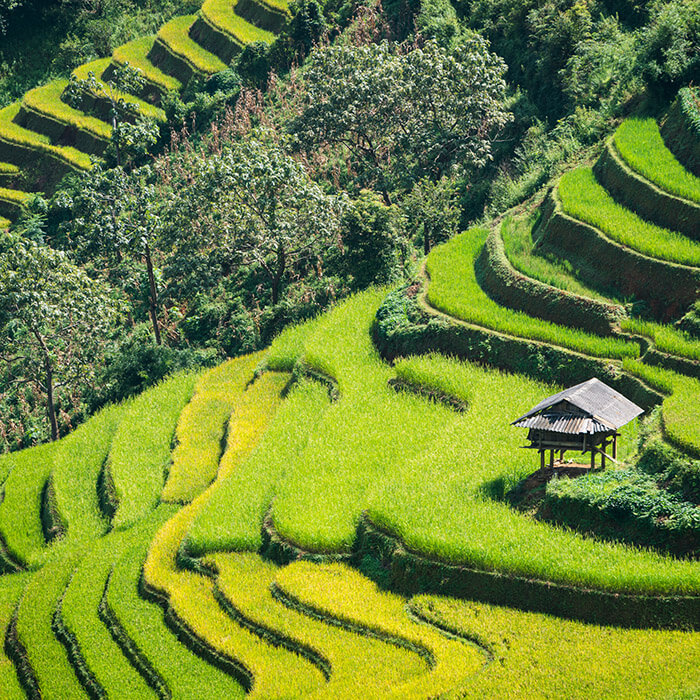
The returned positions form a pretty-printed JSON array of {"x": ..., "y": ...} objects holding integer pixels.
[
  {"x": 211, "y": 535},
  {"x": 641, "y": 146},
  {"x": 455, "y": 290},
  {"x": 209, "y": 611},
  {"x": 584, "y": 199},
  {"x": 42, "y": 134}
]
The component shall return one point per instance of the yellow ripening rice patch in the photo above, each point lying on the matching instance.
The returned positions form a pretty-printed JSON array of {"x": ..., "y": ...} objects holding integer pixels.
[
  {"x": 541, "y": 656},
  {"x": 202, "y": 426},
  {"x": 341, "y": 594}
]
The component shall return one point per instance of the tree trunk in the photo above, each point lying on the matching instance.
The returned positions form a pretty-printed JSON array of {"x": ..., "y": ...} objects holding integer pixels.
[
  {"x": 426, "y": 239},
  {"x": 152, "y": 296},
  {"x": 277, "y": 279},
  {"x": 50, "y": 407},
  {"x": 115, "y": 137}
]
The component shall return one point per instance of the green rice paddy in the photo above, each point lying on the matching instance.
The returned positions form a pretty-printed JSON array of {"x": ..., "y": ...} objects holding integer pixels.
[
  {"x": 154, "y": 584},
  {"x": 222, "y": 15},
  {"x": 315, "y": 466},
  {"x": 640, "y": 144},
  {"x": 135, "y": 53},
  {"x": 584, "y": 199},
  {"x": 37, "y": 143},
  {"x": 175, "y": 36},
  {"x": 46, "y": 100},
  {"x": 454, "y": 290},
  {"x": 523, "y": 254}
]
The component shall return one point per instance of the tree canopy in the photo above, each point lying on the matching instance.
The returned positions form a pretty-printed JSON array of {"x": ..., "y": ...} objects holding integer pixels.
[
  {"x": 53, "y": 320},
  {"x": 403, "y": 112}
]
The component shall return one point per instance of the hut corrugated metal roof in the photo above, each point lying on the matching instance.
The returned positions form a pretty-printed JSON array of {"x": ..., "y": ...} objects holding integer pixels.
[
  {"x": 563, "y": 423},
  {"x": 594, "y": 399}
]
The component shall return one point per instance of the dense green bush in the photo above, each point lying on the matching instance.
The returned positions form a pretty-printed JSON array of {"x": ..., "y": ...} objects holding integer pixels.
[
  {"x": 670, "y": 467},
  {"x": 625, "y": 505},
  {"x": 372, "y": 242},
  {"x": 690, "y": 323},
  {"x": 137, "y": 362},
  {"x": 681, "y": 128},
  {"x": 669, "y": 56}
]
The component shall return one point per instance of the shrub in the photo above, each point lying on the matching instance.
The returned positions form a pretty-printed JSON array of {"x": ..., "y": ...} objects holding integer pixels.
[
  {"x": 668, "y": 55},
  {"x": 681, "y": 128},
  {"x": 625, "y": 505}
]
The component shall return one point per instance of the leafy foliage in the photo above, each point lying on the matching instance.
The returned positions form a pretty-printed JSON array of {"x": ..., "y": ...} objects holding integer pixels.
[
  {"x": 403, "y": 112},
  {"x": 53, "y": 321}
]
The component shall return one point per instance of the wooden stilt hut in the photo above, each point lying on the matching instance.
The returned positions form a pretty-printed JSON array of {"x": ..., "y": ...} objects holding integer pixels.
[{"x": 584, "y": 418}]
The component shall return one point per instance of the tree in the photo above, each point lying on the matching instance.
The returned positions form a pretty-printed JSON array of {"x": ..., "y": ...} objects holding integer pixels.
[
  {"x": 248, "y": 204},
  {"x": 403, "y": 114},
  {"x": 116, "y": 214},
  {"x": 129, "y": 132},
  {"x": 53, "y": 320},
  {"x": 373, "y": 245},
  {"x": 669, "y": 56},
  {"x": 432, "y": 212}
]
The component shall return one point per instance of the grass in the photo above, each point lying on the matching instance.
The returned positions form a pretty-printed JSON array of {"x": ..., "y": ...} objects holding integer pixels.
[
  {"x": 542, "y": 656},
  {"x": 222, "y": 15},
  {"x": 135, "y": 53},
  {"x": 256, "y": 452},
  {"x": 666, "y": 338},
  {"x": 14, "y": 196},
  {"x": 584, "y": 199},
  {"x": 525, "y": 257},
  {"x": 174, "y": 35},
  {"x": 79, "y": 612},
  {"x": 341, "y": 593},
  {"x": 38, "y": 143},
  {"x": 145, "y": 109},
  {"x": 429, "y": 492},
  {"x": 76, "y": 470},
  {"x": 454, "y": 290},
  {"x": 20, "y": 510},
  {"x": 641, "y": 146},
  {"x": 680, "y": 410},
  {"x": 140, "y": 454},
  {"x": 184, "y": 673},
  {"x": 201, "y": 429},
  {"x": 359, "y": 665},
  {"x": 46, "y": 100},
  {"x": 45, "y": 653},
  {"x": 11, "y": 588}
]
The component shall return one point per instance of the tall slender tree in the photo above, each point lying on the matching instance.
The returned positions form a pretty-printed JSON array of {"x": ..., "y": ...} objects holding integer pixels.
[{"x": 54, "y": 320}]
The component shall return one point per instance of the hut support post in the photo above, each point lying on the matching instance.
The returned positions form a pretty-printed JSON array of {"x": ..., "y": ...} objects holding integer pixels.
[
  {"x": 603, "y": 447},
  {"x": 541, "y": 458},
  {"x": 614, "y": 446},
  {"x": 592, "y": 458},
  {"x": 551, "y": 459}
]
